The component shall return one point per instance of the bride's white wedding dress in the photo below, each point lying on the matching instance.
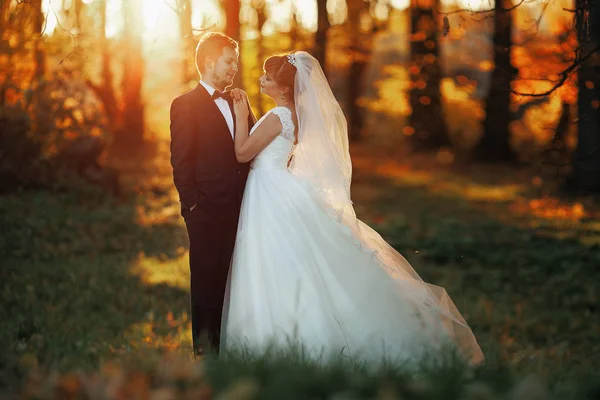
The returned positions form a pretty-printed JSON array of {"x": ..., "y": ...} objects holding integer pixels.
[{"x": 300, "y": 276}]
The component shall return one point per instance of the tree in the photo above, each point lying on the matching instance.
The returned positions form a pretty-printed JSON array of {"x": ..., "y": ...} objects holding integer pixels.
[
  {"x": 260, "y": 6},
  {"x": 494, "y": 146},
  {"x": 359, "y": 49},
  {"x": 131, "y": 130},
  {"x": 320, "y": 45},
  {"x": 105, "y": 90},
  {"x": 3, "y": 17},
  {"x": 586, "y": 160},
  {"x": 426, "y": 119},
  {"x": 186, "y": 32},
  {"x": 294, "y": 28},
  {"x": 39, "y": 53},
  {"x": 232, "y": 29}
]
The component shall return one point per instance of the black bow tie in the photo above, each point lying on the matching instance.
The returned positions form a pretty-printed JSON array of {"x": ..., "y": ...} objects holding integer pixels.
[{"x": 218, "y": 94}]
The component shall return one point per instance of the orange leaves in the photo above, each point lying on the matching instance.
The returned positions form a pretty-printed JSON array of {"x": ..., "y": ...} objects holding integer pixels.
[
  {"x": 171, "y": 320},
  {"x": 167, "y": 376},
  {"x": 414, "y": 70},
  {"x": 425, "y": 100},
  {"x": 70, "y": 102},
  {"x": 445, "y": 157},
  {"x": 429, "y": 58},
  {"x": 408, "y": 131},
  {"x": 418, "y": 36},
  {"x": 430, "y": 44},
  {"x": 462, "y": 79},
  {"x": 136, "y": 386},
  {"x": 68, "y": 387},
  {"x": 550, "y": 208},
  {"x": 420, "y": 84},
  {"x": 486, "y": 65}
]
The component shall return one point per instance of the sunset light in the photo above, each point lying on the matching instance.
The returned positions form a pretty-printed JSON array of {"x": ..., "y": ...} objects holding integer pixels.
[{"x": 252, "y": 198}]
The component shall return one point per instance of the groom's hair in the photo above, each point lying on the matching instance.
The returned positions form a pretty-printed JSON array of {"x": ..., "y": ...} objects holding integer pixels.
[{"x": 211, "y": 45}]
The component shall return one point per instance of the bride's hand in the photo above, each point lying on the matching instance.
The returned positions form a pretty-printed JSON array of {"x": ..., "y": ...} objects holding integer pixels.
[
  {"x": 240, "y": 103},
  {"x": 238, "y": 94}
]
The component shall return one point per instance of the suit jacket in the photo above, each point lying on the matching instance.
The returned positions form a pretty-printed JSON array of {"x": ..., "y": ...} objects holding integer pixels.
[{"x": 205, "y": 169}]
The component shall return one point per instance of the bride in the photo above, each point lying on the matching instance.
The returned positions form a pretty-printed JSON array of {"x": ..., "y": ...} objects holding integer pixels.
[{"x": 305, "y": 271}]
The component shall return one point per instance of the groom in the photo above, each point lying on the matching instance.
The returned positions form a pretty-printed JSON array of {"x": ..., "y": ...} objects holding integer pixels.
[{"x": 209, "y": 179}]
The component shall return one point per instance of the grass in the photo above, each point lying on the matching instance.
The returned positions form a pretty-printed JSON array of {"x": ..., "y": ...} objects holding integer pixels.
[{"x": 98, "y": 285}]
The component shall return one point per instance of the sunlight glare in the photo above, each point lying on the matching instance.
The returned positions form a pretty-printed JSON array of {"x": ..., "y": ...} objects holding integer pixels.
[{"x": 152, "y": 11}]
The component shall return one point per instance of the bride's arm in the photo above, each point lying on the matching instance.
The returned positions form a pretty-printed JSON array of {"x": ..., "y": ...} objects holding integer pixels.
[{"x": 246, "y": 146}]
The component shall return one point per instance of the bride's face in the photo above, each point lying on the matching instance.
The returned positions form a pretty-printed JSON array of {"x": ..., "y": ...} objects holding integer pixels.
[{"x": 268, "y": 85}]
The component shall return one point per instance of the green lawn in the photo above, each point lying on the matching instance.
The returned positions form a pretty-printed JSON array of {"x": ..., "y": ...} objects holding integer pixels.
[{"x": 87, "y": 280}]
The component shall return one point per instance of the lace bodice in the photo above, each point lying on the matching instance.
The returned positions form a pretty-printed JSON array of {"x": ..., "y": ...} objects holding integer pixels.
[
  {"x": 277, "y": 153},
  {"x": 285, "y": 116}
]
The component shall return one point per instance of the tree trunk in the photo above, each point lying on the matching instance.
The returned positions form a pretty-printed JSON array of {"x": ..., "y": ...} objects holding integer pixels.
[
  {"x": 188, "y": 69},
  {"x": 294, "y": 27},
  {"x": 107, "y": 94},
  {"x": 586, "y": 160},
  {"x": 494, "y": 146},
  {"x": 78, "y": 5},
  {"x": 131, "y": 131},
  {"x": 320, "y": 49},
  {"x": 232, "y": 11},
  {"x": 261, "y": 13},
  {"x": 426, "y": 119},
  {"x": 359, "y": 50},
  {"x": 3, "y": 17},
  {"x": 39, "y": 53}
]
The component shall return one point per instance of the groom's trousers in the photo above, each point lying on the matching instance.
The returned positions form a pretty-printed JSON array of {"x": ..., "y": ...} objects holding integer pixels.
[{"x": 211, "y": 248}]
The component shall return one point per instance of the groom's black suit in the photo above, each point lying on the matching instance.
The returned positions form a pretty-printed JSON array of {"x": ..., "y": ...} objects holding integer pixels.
[{"x": 210, "y": 182}]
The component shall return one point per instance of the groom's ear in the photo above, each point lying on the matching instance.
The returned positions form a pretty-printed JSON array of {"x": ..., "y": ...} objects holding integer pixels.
[{"x": 208, "y": 63}]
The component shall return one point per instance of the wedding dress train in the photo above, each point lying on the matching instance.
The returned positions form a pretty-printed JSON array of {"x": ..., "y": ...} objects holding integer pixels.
[{"x": 301, "y": 275}]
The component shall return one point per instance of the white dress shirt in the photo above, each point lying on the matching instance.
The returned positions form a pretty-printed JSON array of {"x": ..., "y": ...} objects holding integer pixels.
[{"x": 223, "y": 106}]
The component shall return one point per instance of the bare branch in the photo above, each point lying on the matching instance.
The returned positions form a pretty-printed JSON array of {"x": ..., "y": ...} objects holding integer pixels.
[
  {"x": 564, "y": 75},
  {"x": 46, "y": 18},
  {"x": 173, "y": 7},
  {"x": 537, "y": 25},
  {"x": 491, "y": 10}
]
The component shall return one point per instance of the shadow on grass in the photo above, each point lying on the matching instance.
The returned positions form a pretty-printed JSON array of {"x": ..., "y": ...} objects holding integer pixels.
[{"x": 74, "y": 281}]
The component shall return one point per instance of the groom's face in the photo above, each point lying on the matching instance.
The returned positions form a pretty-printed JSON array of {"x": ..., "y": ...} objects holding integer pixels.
[{"x": 225, "y": 68}]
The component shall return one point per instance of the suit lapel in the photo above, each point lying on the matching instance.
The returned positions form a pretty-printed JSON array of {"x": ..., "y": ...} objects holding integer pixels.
[
  {"x": 208, "y": 104},
  {"x": 230, "y": 102}
]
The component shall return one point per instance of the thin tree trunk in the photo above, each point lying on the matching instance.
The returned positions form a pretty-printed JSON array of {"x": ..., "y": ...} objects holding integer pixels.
[
  {"x": 359, "y": 50},
  {"x": 78, "y": 6},
  {"x": 586, "y": 160},
  {"x": 494, "y": 146},
  {"x": 320, "y": 49},
  {"x": 188, "y": 69},
  {"x": 108, "y": 94},
  {"x": 426, "y": 119},
  {"x": 261, "y": 12},
  {"x": 294, "y": 27},
  {"x": 39, "y": 53},
  {"x": 232, "y": 12},
  {"x": 3, "y": 16},
  {"x": 131, "y": 132},
  {"x": 105, "y": 90}
]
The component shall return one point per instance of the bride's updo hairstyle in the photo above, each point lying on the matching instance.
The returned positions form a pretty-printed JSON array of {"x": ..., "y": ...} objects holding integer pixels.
[{"x": 283, "y": 73}]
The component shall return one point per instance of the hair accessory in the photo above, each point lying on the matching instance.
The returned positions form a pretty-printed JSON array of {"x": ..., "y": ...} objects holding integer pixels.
[{"x": 292, "y": 59}]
